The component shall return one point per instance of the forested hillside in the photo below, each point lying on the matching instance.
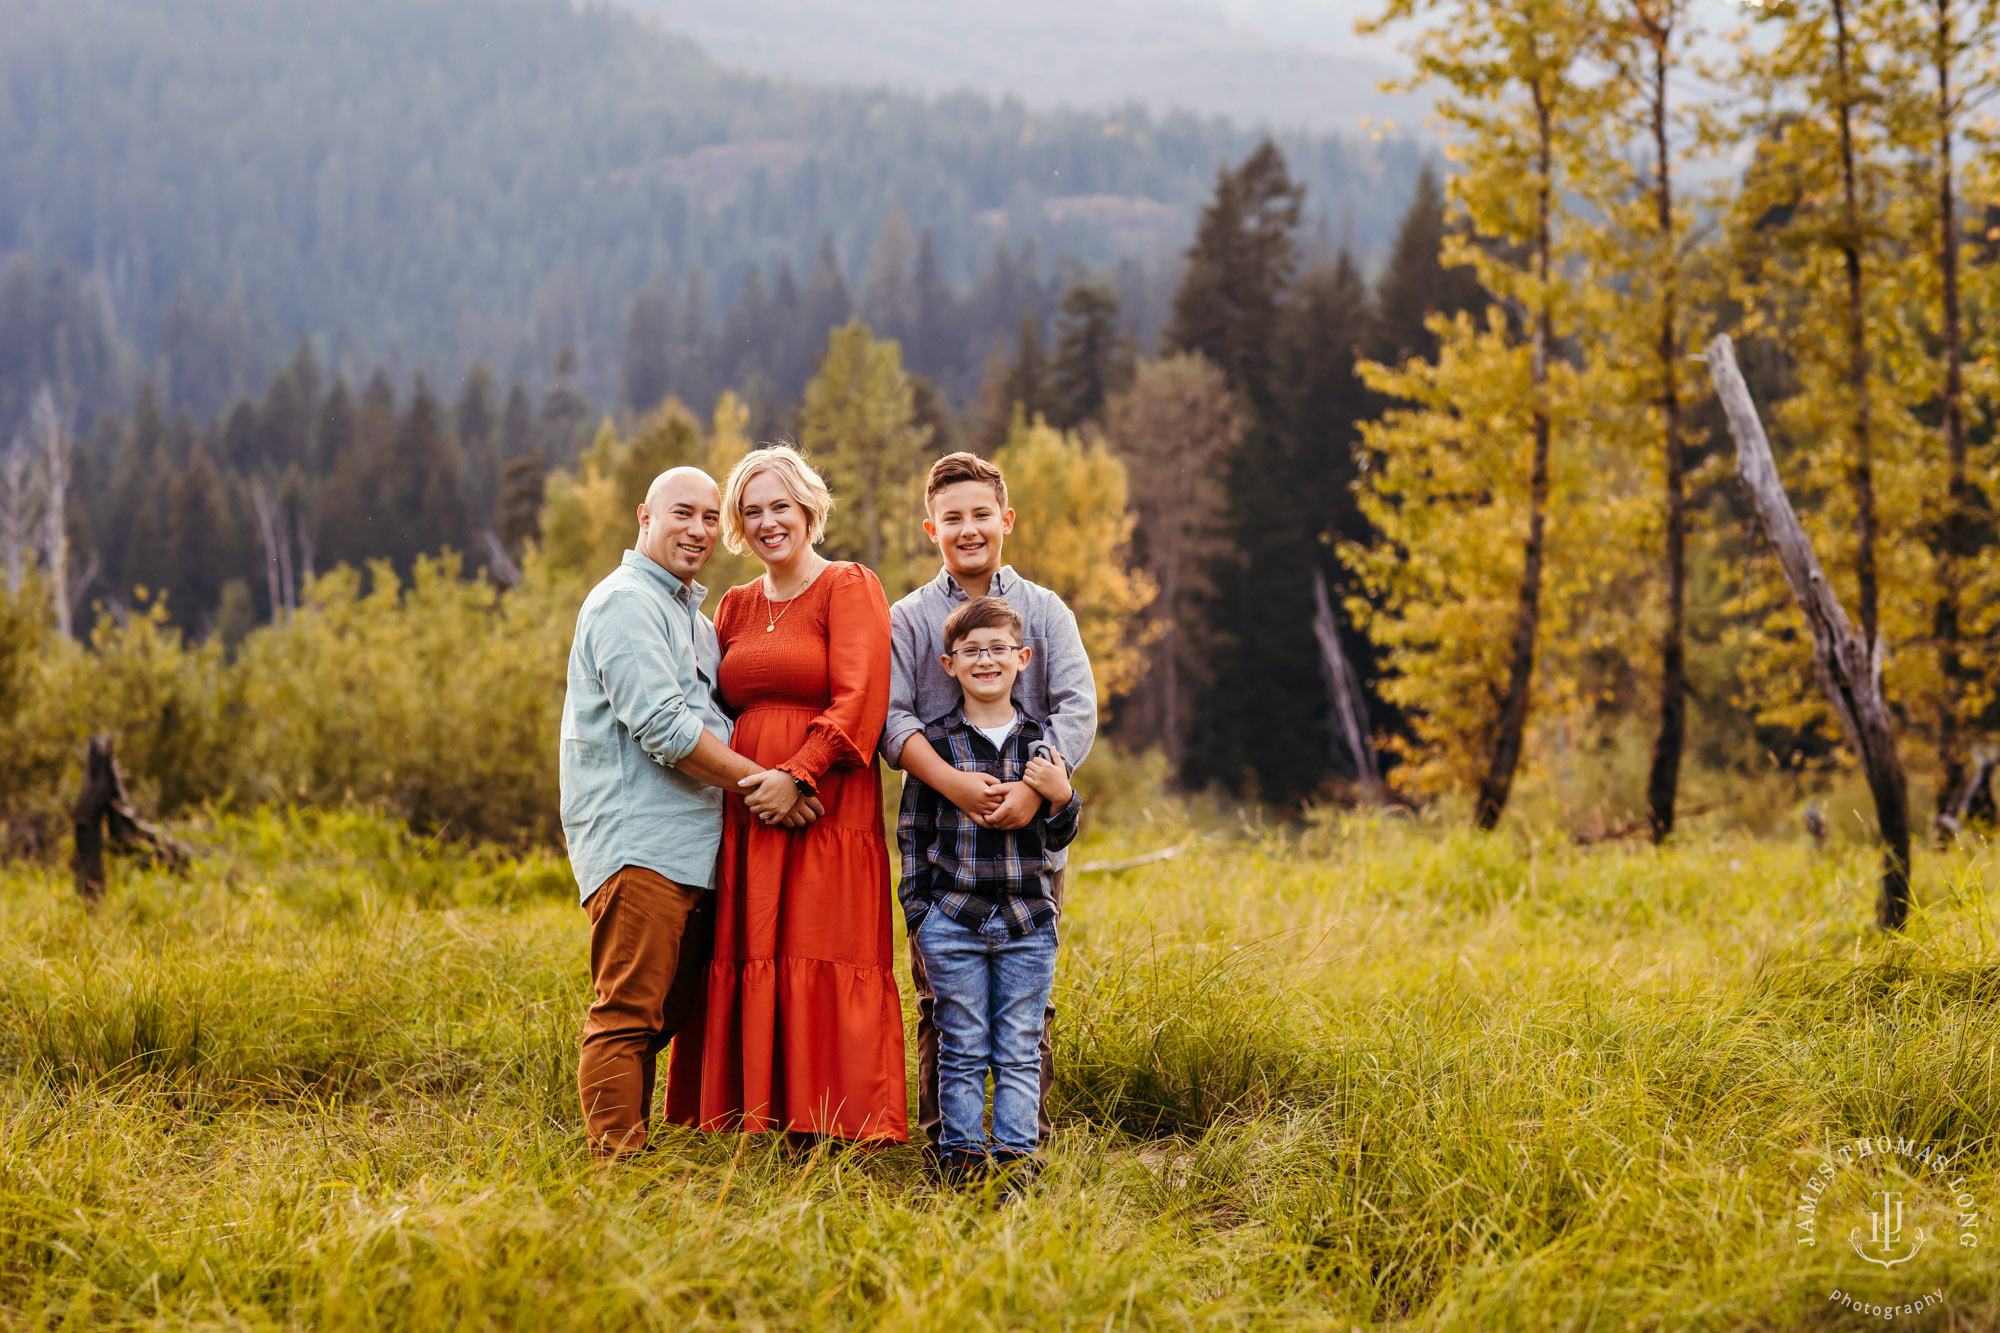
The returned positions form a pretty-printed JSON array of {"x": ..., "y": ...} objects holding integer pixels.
[{"x": 429, "y": 182}]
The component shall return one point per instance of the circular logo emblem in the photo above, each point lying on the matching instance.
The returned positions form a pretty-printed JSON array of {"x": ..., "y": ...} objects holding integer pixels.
[{"x": 1887, "y": 1200}]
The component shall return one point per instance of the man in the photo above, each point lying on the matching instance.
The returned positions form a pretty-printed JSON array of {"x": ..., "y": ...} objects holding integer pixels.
[{"x": 645, "y": 756}]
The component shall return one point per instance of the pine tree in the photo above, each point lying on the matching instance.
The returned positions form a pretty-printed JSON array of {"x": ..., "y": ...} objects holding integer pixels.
[
  {"x": 646, "y": 366},
  {"x": 1175, "y": 426},
  {"x": 198, "y": 543},
  {"x": 1415, "y": 284},
  {"x": 1092, "y": 361},
  {"x": 859, "y": 424},
  {"x": 517, "y": 425},
  {"x": 1244, "y": 253},
  {"x": 933, "y": 346}
]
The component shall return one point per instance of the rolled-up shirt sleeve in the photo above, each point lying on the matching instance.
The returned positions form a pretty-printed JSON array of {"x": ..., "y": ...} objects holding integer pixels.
[
  {"x": 902, "y": 722},
  {"x": 1072, "y": 722},
  {"x": 639, "y": 651},
  {"x": 1060, "y": 829}
]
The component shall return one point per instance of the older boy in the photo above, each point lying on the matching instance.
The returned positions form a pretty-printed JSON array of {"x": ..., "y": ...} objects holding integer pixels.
[
  {"x": 966, "y": 515},
  {"x": 977, "y": 899}
]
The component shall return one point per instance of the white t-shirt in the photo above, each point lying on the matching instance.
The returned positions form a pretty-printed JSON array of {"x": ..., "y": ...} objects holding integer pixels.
[{"x": 998, "y": 735}]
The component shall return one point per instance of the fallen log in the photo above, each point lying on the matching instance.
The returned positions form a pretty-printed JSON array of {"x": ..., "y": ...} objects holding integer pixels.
[
  {"x": 1849, "y": 670},
  {"x": 104, "y": 814}
]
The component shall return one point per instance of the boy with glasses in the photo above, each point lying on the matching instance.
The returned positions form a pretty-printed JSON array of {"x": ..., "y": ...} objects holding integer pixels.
[{"x": 979, "y": 900}]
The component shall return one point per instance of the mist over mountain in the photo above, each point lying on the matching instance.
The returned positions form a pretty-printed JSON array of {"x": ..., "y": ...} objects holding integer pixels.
[
  {"x": 1284, "y": 63},
  {"x": 420, "y": 183}
]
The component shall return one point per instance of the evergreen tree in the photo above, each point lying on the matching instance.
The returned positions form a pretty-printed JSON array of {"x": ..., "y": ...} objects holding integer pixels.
[
  {"x": 859, "y": 422},
  {"x": 1092, "y": 360},
  {"x": 199, "y": 548},
  {"x": 517, "y": 424},
  {"x": 933, "y": 346},
  {"x": 517, "y": 518},
  {"x": 1415, "y": 284},
  {"x": 1176, "y": 426},
  {"x": 1238, "y": 269},
  {"x": 647, "y": 356}
]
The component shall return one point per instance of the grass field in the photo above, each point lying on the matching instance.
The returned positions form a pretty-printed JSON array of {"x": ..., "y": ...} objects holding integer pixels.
[{"x": 1375, "y": 1074}]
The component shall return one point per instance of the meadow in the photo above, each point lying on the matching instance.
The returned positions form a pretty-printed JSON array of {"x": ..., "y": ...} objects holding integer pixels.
[{"x": 1358, "y": 1072}]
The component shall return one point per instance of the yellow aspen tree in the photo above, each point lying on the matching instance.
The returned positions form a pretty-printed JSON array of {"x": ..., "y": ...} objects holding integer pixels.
[
  {"x": 1462, "y": 488},
  {"x": 1940, "y": 66},
  {"x": 1073, "y": 535},
  {"x": 1646, "y": 318},
  {"x": 1818, "y": 283}
]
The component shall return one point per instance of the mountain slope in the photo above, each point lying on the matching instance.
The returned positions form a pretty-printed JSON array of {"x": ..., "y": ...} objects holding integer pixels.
[
  {"x": 430, "y": 180},
  {"x": 1259, "y": 65}
]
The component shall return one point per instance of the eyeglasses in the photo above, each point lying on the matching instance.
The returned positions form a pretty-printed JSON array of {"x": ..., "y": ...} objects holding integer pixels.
[{"x": 981, "y": 654}]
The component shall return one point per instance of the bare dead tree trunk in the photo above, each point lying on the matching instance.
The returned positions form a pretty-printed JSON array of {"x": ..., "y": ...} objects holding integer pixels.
[
  {"x": 1861, "y": 473},
  {"x": 1343, "y": 693},
  {"x": 1663, "y": 779},
  {"x": 14, "y": 512},
  {"x": 1512, "y": 725},
  {"x": 268, "y": 535},
  {"x": 1953, "y": 539},
  {"x": 104, "y": 814},
  {"x": 55, "y": 502},
  {"x": 1849, "y": 668}
]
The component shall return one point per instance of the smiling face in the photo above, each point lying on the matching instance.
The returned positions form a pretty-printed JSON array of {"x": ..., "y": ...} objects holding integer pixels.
[
  {"x": 969, "y": 526},
  {"x": 987, "y": 680},
  {"x": 679, "y": 521},
  {"x": 775, "y": 525}
]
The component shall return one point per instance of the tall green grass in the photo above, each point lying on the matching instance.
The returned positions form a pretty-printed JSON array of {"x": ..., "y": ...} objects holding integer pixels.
[{"x": 1374, "y": 1073}]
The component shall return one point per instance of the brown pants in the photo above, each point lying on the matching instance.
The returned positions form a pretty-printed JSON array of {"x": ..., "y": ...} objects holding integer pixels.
[
  {"x": 928, "y": 1117},
  {"x": 650, "y": 943}
]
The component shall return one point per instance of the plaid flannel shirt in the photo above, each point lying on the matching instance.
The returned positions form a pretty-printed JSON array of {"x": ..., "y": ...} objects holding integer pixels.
[{"x": 962, "y": 869}]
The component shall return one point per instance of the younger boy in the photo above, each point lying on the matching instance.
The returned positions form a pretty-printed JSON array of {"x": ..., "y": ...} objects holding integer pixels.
[
  {"x": 966, "y": 515},
  {"x": 979, "y": 902}
]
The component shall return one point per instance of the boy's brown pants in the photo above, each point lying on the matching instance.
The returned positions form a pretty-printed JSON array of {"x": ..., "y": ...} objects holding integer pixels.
[
  {"x": 928, "y": 1117},
  {"x": 650, "y": 944}
]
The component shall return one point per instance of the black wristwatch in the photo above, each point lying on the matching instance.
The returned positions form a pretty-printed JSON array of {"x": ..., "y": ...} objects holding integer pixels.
[{"x": 805, "y": 788}]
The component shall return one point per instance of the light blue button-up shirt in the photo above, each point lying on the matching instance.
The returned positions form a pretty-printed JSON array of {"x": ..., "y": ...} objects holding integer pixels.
[{"x": 642, "y": 676}]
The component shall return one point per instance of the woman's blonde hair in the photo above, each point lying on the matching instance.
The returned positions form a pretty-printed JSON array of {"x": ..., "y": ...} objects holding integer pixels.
[{"x": 808, "y": 490}]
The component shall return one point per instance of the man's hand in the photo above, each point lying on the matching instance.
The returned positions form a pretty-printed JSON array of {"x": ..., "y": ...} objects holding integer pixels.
[
  {"x": 770, "y": 794},
  {"x": 1018, "y": 806},
  {"x": 804, "y": 813},
  {"x": 1050, "y": 777}
]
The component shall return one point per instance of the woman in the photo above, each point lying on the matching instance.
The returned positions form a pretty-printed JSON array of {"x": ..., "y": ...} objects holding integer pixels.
[{"x": 803, "y": 1028}]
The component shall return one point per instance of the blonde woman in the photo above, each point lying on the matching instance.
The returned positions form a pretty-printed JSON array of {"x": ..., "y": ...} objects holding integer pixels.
[{"x": 803, "y": 1027}]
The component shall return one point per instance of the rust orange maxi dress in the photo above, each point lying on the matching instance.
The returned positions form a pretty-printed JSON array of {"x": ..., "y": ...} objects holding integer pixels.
[{"x": 802, "y": 1027}]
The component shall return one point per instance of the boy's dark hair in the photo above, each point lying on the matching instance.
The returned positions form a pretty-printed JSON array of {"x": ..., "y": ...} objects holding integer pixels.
[
  {"x": 979, "y": 613},
  {"x": 961, "y": 466}
]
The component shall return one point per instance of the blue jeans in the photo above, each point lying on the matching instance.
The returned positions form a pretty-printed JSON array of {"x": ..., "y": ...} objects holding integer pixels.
[{"x": 991, "y": 989}]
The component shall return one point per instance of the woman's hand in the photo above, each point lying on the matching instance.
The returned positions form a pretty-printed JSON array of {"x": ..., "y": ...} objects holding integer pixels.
[{"x": 770, "y": 794}]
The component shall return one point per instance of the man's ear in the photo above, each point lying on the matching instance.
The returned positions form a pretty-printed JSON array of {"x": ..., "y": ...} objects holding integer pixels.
[
  {"x": 930, "y": 528},
  {"x": 1007, "y": 523}
]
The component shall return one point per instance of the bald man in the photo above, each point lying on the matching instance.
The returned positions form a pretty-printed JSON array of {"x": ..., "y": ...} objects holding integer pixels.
[{"x": 645, "y": 756}]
